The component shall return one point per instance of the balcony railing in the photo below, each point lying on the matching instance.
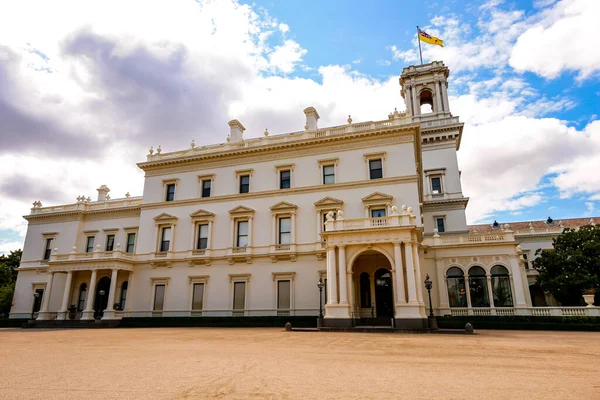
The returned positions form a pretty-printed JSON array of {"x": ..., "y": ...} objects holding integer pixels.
[
  {"x": 533, "y": 311},
  {"x": 398, "y": 220}
]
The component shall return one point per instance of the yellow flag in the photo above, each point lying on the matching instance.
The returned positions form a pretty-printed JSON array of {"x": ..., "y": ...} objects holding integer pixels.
[{"x": 424, "y": 37}]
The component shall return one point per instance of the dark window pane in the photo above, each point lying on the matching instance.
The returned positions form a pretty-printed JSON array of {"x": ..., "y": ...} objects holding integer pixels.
[
  {"x": 375, "y": 170},
  {"x": 198, "y": 296},
  {"x": 283, "y": 295},
  {"x": 436, "y": 185},
  {"x": 170, "y": 192},
  {"x": 110, "y": 242},
  {"x": 48, "y": 250},
  {"x": 123, "y": 301},
  {"x": 90, "y": 244},
  {"x": 285, "y": 178},
  {"x": 202, "y": 236},
  {"x": 478, "y": 289},
  {"x": 328, "y": 174},
  {"x": 37, "y": 302},
  {"x": 365, "y": 290},
  {"x": 82, "y": 296},
  {"x": 159, "y": 297},
  {"x": 378, "y": 213},
  {"x": 206, "y": 188},
  {"x": 130, "y": 242},
  {"x": 239, "y": 295},
  {"x": 440, "y": 224},
  {"x": 285, "y": 229},
  {"x": 244, "y": 183},
  {"x": 242, "y": 234}
]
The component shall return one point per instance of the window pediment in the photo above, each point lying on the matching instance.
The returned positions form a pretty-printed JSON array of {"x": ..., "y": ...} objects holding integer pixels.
[
  {"x": 377, "y": 197},
  {"x": 329, "y": 202},
  {"x": 241, "y": 210},
  {"x": 283, "y": 206},
  {"x": 164, "y": 217},
  {"x": 202, "y": 214}
]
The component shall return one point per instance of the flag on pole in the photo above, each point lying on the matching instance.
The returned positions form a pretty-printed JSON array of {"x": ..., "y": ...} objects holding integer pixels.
[{"x": 424, "y": 37}]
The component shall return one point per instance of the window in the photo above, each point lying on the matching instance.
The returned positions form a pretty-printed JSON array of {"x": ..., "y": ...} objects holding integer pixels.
[
  {"x": 170, "y": 192},
  {"x": 283, "y": 295},
  {"x": 159, "y": 297},
  {"x": 365, "y": 290},
  {"x": 202, "y": 236},
  {"x": 206, "y": 184},
  {"x": 239, "y": 295},
  {"x": 165, "y": 240},
  {"x": 130, "y": 242},
  {"x": 525, "y": 261},
  {"x": 90, "y": 244},
  {"x": 439, "y": 221},
  {"x": 82, "y": 296},
  {"x": 501, "y": 290},
  {"x": 242, "y": 234},
  {"x": 377, "y": 212},
  {"x": 478, "y": 289},
  {"x": 123, "y": 301},
  {"x": 285, "y": 230},
  {"x": 110, "y": 242},
  {"x": 244, "y": 183},
  {"x": 198, "y": 296},
  {"x": 37, "y": 302},
  {"x": 436, "y": 185},
  {"x": 285, "y": 179},
  {"x": 457, "y": 293},
  {"x": 375, "y": 169},
  {"x": 328, "y": 174},
  {"x": 48, "y": 249}
]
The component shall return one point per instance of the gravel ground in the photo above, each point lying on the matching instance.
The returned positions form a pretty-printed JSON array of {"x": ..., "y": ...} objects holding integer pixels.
[{"x": 196, "y": 363}]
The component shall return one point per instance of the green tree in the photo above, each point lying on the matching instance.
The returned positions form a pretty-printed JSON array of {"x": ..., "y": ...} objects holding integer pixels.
[
  {"x": 572, "y": 265},
  {"x": 8, "y": 276}
]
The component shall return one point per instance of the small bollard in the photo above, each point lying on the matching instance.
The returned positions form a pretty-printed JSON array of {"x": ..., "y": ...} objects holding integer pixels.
[
  {"x": 288, "y": 327},
  {"x": 469, "y": 328}
]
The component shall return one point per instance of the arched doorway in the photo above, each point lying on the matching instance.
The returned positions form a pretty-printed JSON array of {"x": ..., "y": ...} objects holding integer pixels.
[
  {"x": 384, "y": 293},
  {"x": 101, "y": 298},
  {"x": 373, "y": 286}
]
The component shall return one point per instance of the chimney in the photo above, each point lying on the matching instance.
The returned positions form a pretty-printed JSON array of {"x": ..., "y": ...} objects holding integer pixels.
[
  {"x": 312, "y": 116},
  {"x": 237, "y": 131},
  {"x": 102, "y": 192}
]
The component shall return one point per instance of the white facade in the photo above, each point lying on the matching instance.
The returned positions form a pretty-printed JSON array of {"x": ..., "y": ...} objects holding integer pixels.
[{"x": 360, "y": 206}]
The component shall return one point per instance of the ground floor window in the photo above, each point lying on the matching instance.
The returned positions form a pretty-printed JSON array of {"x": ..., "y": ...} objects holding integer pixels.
[
  {"x": 123, "y": 301},
  {"x": 365, "y": 290},
  {"x": 82, "y": 296},
  {"x": 457, "y": 293},
  {"x": 198, "y": 296},
  {"x": 501, "y": 290},
  {"x": 159, "y": 297},
  {"x": 239, "y": 295},
  {"x": 284, "y": 295},
  {"x": 478, "y": 289},
  {"x": 37, "y": 302}
]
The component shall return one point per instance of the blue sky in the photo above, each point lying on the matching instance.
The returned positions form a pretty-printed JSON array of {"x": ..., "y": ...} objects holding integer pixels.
[{"x": 95, "y": 84}]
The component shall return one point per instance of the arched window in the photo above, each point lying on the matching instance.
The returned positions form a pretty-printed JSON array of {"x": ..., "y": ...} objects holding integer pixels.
[
  {"x": 82, "y": 296},
  {"x": 426, "y": 102},
  {"x": 501, "y": 287},
  {"x": 123, "y": 295},
  {"x": 457, "y": 294},
  {"x": 365, "y": 290},
  {"x": 478, "y": 287}
]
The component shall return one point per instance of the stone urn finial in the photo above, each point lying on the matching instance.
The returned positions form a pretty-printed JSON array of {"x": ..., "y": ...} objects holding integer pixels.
[
  {"x": 193, "y": 144},
  {"x": 158, "y": 149},
  {"x": 266, "y": 132},
  {"x": 349, "y": 119}
]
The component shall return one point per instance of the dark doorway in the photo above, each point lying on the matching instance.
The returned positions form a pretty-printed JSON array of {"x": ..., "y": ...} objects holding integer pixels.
[
  {"x": 538, "y": 299},
  {"x": 101, "y": 300},
  {"x": 384, "y": 295},
  {"x": 37, "y": 301}
]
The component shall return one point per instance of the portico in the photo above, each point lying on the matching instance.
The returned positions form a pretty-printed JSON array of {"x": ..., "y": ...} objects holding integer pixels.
[{"x": 374, "y": 262}]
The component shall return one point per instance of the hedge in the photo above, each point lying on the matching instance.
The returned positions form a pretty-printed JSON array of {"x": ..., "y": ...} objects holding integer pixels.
[
  {"x": 525, "y": 322},
  {"x": 231, "y": 322}
]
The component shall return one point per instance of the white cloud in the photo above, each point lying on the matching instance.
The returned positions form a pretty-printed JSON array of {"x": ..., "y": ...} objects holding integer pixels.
[
  {"x": 284, "y": 28},
  {"x": 285, "y": 57},
  {"x": 409, "y": 55},
  {"x": 591, "y": 206},
  {"x": 564, "y": 40}
]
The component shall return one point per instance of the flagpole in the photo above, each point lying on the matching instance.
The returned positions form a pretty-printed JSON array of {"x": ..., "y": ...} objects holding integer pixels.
[{"x": 419, "y": 40}]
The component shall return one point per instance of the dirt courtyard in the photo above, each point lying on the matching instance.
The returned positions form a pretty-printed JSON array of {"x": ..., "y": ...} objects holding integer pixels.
[{"x": 197, "y": 363}]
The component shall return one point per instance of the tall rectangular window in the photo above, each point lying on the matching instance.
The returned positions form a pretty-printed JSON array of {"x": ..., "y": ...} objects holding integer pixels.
[
  {"x": 159, "y": 297},
  {"x": 198, "y": 296},
  {"x": 283, "y": 295},
  {"x": 285, "y": 179},
  {"x": 37, "y": 300},
  {"x": 285, "y": 230},
  {"x": 436, "y": 185},
  {"x": 130, "y": 242},
  {"x": 110, "y": 242},
  {"x": 377, "y": 212},
  {"x": 440, "y": 224},
  {"x": 89, "y": 247},
  {"x": 328, "y": 174},
  {"x": 170, "y": 192},
  {"x": 48, "y": 249},
  {"x": 242, "y": 234},
  {"x": 375, "y": 169},
  {"x": 165, "y": 239},
  {"x": 202, "y": 236},
  {"x": 206, "y": 185},
  {"x": 239, "y": 295},
  {"x": 244, "y": 183}
]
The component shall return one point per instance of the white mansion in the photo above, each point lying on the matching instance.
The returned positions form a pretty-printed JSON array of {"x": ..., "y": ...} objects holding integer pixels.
[{"x": 249, "y": 227}]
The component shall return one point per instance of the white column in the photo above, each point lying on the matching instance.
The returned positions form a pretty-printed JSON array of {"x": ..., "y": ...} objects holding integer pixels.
[
  {"x": 445, "y": 97},
  {"x": 88, "y": 313},
  {"x": 416, "y": 106},
  {"x": 209, "y": 240},
  {"x": 516, "y": 274},
  {"x": 331, "y": 277},
  {"x": 410, "y": 274},
  {"x": 438, "y": 97},
  {"x": 343, "y": 275},
  {"x": 293, "y": 227},
  {"x": 400, "y": 296},
  {"x": 367, "y": 212},
  {"x": 318, "y": 227},
  {"x": 43, "y": 314},
  {"x": 417, "y": 262},
  {"x": 274, "y": 230},
  {"x": 488, "y": 278},
  {"x": 65, "y": 301},
  {"x": 250, "y": 232},
  {"x": 109, "y": 313},
  {"x": 232, "y": 241}
]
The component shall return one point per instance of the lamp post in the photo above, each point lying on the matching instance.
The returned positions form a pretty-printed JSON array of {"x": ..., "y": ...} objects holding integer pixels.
[
  {"x": 431, "y": 318},
  {"x": 320, "y": 285},
  {"x": 101, "y": 293},
  {"x": 36, "y": 295}
]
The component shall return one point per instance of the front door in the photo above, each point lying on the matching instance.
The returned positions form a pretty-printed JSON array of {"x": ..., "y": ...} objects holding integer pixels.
[
  {"x": 384, "y": 295},
  {"x": 101, "y": 300}
]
